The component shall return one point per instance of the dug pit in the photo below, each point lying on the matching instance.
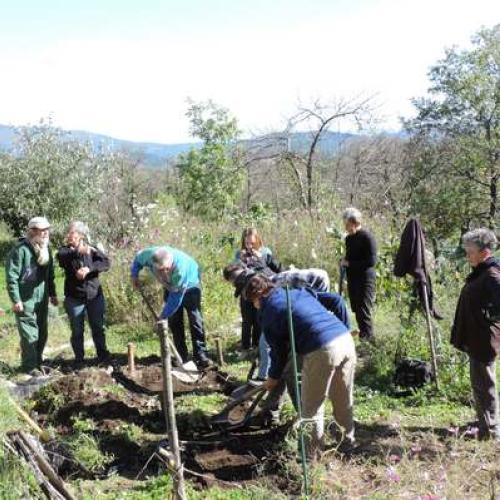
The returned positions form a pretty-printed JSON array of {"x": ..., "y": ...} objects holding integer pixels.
[{"x": 113, "y": 401}]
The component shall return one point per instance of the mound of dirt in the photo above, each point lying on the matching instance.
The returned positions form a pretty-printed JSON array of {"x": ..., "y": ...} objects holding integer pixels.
[
  {"x": 91, "y": 393},
  {"x": 150, "y": 379}
]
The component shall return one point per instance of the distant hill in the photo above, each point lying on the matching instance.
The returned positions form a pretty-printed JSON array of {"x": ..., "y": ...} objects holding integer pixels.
[
  {"x": 152, "y": 154},
  {"x": 156, "y": 155}
]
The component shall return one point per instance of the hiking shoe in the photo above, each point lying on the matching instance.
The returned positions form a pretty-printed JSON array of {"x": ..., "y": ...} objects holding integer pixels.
[
  {"x": 203, "y": 362},
  {"x": 77, "y": 364}
]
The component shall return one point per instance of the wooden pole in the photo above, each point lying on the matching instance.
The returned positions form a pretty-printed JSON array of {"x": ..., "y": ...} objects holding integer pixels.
[
  {"x": 218, "y": 345},
  {"x": 131, "y": 358},
  {"x": 43, "y": 435},
  {"x": 169, "y": 409},
  {"x": 47, "y": 469},
  {"x": 430, "y": 334}
]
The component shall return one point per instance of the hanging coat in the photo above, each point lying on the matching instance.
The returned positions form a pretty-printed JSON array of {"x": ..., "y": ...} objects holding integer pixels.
[{"x": 410, "y": 259}]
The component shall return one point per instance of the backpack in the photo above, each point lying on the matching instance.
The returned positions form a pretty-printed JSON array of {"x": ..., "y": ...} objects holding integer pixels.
[{"x": 412, "y": 373}]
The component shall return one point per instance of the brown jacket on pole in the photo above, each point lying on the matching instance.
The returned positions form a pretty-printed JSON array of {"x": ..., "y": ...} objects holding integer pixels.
[
  {"x": 410, "y": 259},
  {"x": 476, "y": 329}
]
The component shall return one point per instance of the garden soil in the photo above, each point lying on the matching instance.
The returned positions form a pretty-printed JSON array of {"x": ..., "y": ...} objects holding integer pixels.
[{"x": 111, "y": 402}]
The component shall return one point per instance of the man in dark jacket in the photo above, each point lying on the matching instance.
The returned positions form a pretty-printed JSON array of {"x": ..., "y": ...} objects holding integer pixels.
[
  {"x": 82, "y": 264},
  {"x": 359, "y": 262},
  {"x": 476, "y": 329}
]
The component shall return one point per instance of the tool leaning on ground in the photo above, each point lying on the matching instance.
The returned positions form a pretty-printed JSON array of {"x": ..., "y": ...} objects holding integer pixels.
[
  {"x": 224, "y": 418},
  {"x": 185, "y": 372}
]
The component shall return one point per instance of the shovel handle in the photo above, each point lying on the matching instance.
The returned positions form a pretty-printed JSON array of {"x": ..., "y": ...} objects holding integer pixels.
[
  {"x": 175, "y": 352},
  {"x": 44, "y": 435},
  {"x": 149, "y": 305},
  {"x": 245, "y": 397}
]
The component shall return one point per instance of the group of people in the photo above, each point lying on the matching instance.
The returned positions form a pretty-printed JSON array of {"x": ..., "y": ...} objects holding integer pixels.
[
  {"x": 31, "y": 286},
  {"x": 323, "y": 336}
]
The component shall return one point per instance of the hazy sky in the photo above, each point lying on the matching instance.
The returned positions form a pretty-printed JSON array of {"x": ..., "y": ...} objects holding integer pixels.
[{"x": 125, "y": 68}]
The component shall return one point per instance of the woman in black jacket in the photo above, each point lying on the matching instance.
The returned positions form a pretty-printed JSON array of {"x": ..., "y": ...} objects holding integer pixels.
[
  {"x": 258, "y": 258},
  {"x": 82, "y": 264},
  {"x": 359, "y": 262}
]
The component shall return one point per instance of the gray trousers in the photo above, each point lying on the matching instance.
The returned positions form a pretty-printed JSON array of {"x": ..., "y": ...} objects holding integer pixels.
[{"x": 486, "y": 399}]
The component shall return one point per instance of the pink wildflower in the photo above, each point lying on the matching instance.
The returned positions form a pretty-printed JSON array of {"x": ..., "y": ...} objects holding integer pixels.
[{"x": 392, "y": 475}]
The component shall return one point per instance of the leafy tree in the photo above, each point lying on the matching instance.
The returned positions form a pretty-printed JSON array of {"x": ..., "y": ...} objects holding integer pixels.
[
  {"x": 211, "y": 176},
  {"x": 51, "y": 174},
  {"x": 47, "y": 174},
  {"x": 457, "y": 131}
]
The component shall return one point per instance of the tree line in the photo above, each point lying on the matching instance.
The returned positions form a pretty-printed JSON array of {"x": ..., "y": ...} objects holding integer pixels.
[{"x": 443, "y": 167}]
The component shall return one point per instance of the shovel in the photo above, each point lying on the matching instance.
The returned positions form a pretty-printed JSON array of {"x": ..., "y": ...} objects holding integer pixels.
[
  {"x": 185, "y": 372},
  {"x": 223, "y": 418}
]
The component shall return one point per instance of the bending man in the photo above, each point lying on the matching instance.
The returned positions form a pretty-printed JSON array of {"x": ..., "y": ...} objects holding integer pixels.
[{"x": 179, "y": 274}]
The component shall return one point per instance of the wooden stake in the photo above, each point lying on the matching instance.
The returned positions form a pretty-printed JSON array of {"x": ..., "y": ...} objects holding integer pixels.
[
  {"x": 169, "y": 409},
  {"x": 131, "y": 358},
  {"x": 43, "y": 435},
  {"x": 218, "y": 345},
  {"x": 431, "y": 335}
]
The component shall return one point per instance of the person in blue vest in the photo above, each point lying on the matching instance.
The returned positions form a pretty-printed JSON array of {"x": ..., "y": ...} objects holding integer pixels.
[
  {"x": 325, "y": 344},
  {"x": 179, "y": 274}
]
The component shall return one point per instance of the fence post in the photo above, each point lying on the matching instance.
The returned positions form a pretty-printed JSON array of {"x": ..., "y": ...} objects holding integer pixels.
[{"x": 169, "y": 410}]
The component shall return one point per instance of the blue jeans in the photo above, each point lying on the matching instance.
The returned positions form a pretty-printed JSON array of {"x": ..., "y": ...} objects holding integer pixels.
[
  {"x": 264, "y": 357},
  {"x": 76, "y": 309}
]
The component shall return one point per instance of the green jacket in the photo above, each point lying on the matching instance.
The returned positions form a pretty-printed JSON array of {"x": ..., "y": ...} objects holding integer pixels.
[{"x": 27, "y": 281}]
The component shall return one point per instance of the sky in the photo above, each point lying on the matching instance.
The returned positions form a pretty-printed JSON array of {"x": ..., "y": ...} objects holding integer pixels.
[{"x": 126, "y": 68}]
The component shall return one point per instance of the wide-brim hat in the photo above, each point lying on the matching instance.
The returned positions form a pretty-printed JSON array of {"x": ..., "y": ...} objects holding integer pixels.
[{"x": 38, "y": 223}]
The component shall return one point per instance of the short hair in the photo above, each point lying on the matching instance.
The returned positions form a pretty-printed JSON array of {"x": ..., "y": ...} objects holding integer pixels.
[
  {"x": 251, "y": 231},
  {"x": 481, "y": 238},
  {"x": 80, "y": 227},
  {"x": 257, "y": 286},
  {"x": 352, "y": 214},
  {"x": 161, "y": 256}
]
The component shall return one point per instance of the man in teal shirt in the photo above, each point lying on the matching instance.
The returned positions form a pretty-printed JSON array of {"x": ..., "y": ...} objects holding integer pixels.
[{"x": 179, "y": 274}]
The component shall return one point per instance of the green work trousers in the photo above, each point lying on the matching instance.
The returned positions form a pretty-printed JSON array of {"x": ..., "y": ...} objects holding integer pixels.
[{"x": 33, "y": 330}]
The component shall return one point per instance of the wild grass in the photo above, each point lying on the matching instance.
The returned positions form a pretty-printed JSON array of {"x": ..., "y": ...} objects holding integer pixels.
[{"x": 412, "y": 446}]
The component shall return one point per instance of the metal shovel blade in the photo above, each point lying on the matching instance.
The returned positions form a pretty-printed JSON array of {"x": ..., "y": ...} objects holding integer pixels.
[
  {"x": 240, "y": 391},
  {"x": 187, "y": 373},
  {"x": 223, "y": 418}
]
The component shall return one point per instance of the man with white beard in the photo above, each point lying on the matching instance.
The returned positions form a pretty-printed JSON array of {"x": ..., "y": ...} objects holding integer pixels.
[{"x": 30, "y": 284}]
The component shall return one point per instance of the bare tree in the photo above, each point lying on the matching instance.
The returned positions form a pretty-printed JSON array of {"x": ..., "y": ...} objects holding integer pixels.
[{"x": 318, "y": 118}]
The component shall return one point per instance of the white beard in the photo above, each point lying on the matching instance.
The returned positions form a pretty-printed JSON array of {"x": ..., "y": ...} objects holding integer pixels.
[{"x": 42, "y": 251}]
